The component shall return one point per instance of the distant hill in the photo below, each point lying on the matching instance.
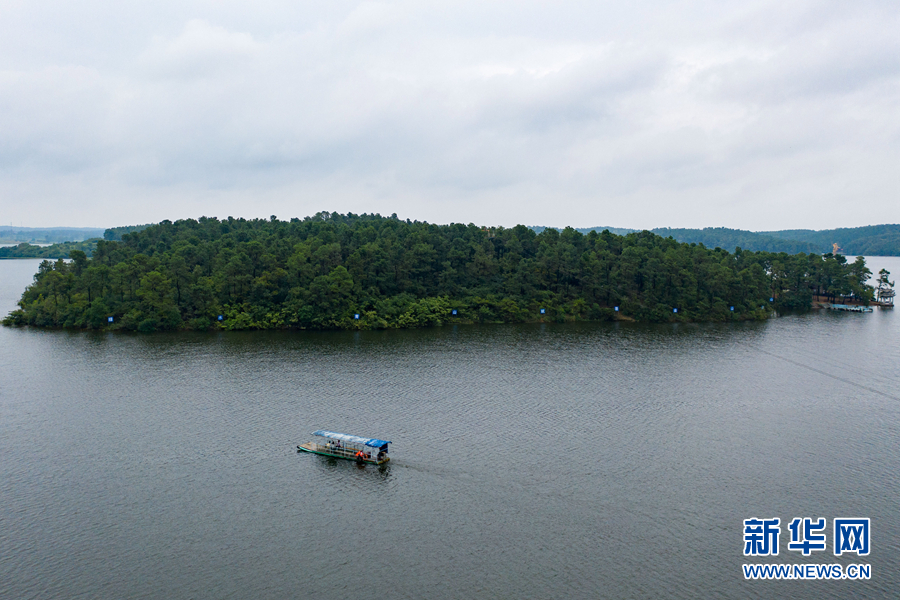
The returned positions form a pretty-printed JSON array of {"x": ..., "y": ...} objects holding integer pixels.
[
  {"x": 729, "y": 239},
  {"x": 872, "y": 240},
  {"x": 47, "y": 235},
  {"x": 58, "y": 235}
]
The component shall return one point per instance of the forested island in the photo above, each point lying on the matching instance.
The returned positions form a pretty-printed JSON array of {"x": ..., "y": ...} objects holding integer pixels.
[{"x": 333, "y": 271}]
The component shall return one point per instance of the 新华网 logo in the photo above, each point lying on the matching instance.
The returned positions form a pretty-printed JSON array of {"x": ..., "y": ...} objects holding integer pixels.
[{"x": 807, "y": 535}]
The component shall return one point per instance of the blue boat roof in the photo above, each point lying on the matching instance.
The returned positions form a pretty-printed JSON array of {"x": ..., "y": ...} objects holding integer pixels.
[{"x": 351, "y": 439}]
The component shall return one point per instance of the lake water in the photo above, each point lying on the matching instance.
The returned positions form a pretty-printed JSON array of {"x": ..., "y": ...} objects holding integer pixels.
[{"x": 532, "y": 461}]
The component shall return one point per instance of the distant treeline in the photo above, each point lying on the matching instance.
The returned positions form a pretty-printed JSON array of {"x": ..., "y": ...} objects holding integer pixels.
[
  {"x": 367, "y": 271},
  {"x": 60, "y": 250},
  {"x": 48, "y": 235},
  {"x": 730, "y": 239},
  {"x": 587, "y": 230},
  {"x": 873, "y": 240},
  {"x": 63, "y": 249}
]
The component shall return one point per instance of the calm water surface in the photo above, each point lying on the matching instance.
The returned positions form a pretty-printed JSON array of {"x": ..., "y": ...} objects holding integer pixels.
[{"x": 533, "y": 461}]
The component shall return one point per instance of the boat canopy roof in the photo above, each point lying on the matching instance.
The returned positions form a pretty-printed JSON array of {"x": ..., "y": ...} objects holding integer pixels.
[{"x": 351, "y": 439}]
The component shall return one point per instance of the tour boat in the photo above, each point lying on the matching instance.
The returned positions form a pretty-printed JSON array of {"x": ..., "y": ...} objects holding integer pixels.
[
  {"x": 851, "y": 308},
  {"x": 352, "y": 447}
]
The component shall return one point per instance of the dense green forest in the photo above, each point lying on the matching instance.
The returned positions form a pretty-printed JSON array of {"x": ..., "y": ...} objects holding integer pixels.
[
  {"x": 366, "y": 271},
  {"x": 60, "y": 250}
]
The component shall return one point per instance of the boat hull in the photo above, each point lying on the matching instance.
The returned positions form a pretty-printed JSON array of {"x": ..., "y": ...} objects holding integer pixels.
[{"x": 313, "y": 448}]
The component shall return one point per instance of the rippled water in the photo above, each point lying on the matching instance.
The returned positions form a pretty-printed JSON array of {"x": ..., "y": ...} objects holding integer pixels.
[{"x": 533, "y": 461}]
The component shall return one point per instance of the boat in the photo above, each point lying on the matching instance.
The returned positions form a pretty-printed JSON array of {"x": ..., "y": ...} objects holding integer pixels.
[
  {"x": 851, "y": 308},
  {"x": 351, "y": 447}
]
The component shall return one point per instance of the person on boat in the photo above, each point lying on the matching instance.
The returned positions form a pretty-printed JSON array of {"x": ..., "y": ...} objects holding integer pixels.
[{"x": 360, "y": 457}]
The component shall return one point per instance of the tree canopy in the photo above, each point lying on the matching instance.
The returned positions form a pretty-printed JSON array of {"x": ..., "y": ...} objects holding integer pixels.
[{"x": 333, "y": 271}]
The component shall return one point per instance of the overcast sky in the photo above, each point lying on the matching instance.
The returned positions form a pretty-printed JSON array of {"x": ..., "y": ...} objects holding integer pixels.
[{"x": 747, "y": 114}]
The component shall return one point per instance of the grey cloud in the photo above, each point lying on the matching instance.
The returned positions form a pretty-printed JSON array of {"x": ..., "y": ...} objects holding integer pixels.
[
  {"x": 199, "y": 51},
  {"x": 709, "y": 113}
]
